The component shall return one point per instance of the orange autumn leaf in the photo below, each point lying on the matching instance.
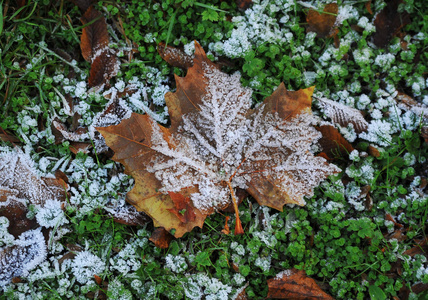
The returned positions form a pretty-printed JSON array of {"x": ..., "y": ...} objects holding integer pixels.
[
  {"x": 183, "y": 208},
  {"x": 295, "y": 284},
  {"x": 217, "y": 144},
  {"x": 323, "y": 23}
]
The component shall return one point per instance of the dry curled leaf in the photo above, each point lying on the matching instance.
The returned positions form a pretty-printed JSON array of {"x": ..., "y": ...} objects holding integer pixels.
[
  {"x": 323, "y": 23},
  {"x": 216, "y": 144},
  {"x": 343, "y": 115},
  {"x": 295, "y": 284}
]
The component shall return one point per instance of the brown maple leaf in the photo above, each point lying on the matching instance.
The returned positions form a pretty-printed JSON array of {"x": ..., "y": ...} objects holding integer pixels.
[
  {"x": 216, "y": 144},
  {"x": 295, "y": 284}
]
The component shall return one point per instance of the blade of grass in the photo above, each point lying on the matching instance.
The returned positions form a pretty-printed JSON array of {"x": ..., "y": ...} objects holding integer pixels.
[
  {"x": 208, "y": 6},
  {"x": 171, "y": 25}
]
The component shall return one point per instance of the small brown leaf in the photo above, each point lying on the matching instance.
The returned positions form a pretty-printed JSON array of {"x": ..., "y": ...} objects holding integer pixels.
[
  {"x": 373, "y": 151},
  {"x": 94, "y": 46},
  {"x": 175, "y": 57},
  {"x": 421, "y": 247},
  {"x": 244, "y": 4},
  {"x": 16, "y": 212},
  {"x": 323, "y": 23},
  {"x": 161, "y": 238},
  {"x": 388, "y": 23},
  {"x": 128, "y": 215},
  {"x": 343, "y": 115},
  {"x": 183, "y": 207},
  {"x": 95, "y": 36},
  {"x": 294, "y": 284},
  {"x": 104, "y": 67},
  {"x": 98, "y": 279},
  {"x": 333, "y": 143},
  {"x": 368, "y": 6},
  {"x": 77, "y": 147}
]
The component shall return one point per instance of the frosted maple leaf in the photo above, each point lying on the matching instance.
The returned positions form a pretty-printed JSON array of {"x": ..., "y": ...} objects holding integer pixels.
[{"x": 216, "y": 144}]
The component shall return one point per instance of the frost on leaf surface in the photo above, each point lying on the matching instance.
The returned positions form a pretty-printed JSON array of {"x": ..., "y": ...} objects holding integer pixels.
[
  {"x": 18, "y": 175},
  {"x": 26, "y": 254},
  {"x": 217, "y": 143}
]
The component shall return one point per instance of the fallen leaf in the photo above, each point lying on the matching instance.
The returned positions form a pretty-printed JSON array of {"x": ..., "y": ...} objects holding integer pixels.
[
  {"x": 421, "y": 247},
  {"x": 216, "y": 143},
  {"x": 333, "y": 144},
  {"x": 26, "y": 254},
  {"x": 19, "y": 178},
  {"x": 294, "y": 284},
  {"x": 161, "y": 238},
  {"x": 95, "y": 35},
  {"x": 16, "y": 212},
  {"x": 183, "y": 207},
  {"x": 244, "y": 4},
  {"x": 373, "y": 151},
  {"x": 323, "y": 23},
  {"x": 94, "y": 45},
  {"x": 343, "y": 115},
  {"x": 368, "y": 6},
  {"x": 175, "y": 57},
  {"x": 128, "y": 215},
  {"x": 388, "y": 23}
]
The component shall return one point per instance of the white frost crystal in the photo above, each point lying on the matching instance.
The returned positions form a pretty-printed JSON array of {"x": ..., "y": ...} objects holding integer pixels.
[
  {"x": 227, "y": 141},
  {"x": 85, "y": 265},
  {"x": 26, "y": 254}
]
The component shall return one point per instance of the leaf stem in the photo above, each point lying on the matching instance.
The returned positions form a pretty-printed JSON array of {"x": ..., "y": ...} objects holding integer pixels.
[{"x": 238, "y": 225}]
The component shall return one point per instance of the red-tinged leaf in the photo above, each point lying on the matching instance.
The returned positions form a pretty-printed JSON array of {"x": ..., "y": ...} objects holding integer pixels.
[
  {"x": 175, "y": 57},
  {"x": 323, "y": 23},
  {"x": 295, "y": 284},
  {"x": 161, "y": 238},
  {"x": 95, "y": 37},
  {"x": 98, "y": 279},
  {"x": 183, "y": 207},
  {"x": 333, "y": 144},
  {"x": 388, "y": 23}
]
